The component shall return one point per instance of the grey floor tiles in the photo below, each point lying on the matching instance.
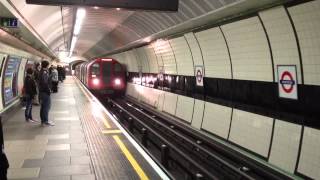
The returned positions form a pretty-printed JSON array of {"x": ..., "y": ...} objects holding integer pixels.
[
  {"x": 30, "y": 163},
  {"x": 59, "y": 152},
  {"x": 65, "y": 170}
]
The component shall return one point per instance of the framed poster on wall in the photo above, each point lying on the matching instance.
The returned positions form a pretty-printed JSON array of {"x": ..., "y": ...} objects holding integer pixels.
[{"x": 10, "y": 80}]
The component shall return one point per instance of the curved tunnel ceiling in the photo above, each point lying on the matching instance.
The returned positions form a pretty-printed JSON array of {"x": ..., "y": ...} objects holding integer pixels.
[{"x": 105, "y": 30}]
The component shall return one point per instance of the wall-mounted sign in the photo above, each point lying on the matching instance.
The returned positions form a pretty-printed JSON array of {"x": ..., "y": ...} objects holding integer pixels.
[
  {"x": 10, "y": 80},
  {"x": 9, "y": 22},
  {"x": 199, "y": 75},
  {"x": 287, "y": 81}
]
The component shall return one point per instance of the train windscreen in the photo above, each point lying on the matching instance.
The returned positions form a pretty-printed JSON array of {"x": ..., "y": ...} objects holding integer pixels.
[{"x": 95, "y": 70}]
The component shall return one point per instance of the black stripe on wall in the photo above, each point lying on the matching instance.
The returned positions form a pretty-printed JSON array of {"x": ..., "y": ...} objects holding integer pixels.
[{"x": 252, "y": 96}]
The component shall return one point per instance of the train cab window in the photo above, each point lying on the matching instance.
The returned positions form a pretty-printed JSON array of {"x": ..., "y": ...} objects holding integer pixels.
[
  {"x": 117, "y": 69},
  {"x": 95, "y": 70}
]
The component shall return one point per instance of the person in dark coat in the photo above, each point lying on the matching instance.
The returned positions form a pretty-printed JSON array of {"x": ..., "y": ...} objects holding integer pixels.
[
  {"x": 45, "y": 91},
  {"x": 30, "y": 92},
  {"x": 36, "y": 75},
  {"x": 4, "y": 163}
]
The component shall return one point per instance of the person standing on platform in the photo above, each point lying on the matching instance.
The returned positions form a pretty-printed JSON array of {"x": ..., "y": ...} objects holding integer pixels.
[
  {"x": 36, "y": 75},
  {"x": 31, "y": 92},
  {"x": 45, "y": 91},
  {"x": 54, "y": 79},
  {"x": 4, "y": 163}
]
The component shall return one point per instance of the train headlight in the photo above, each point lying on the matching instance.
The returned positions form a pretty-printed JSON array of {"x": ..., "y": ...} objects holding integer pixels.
[
  {"x": 117, "y": 82},
  {"x": 95, "y": 81}
]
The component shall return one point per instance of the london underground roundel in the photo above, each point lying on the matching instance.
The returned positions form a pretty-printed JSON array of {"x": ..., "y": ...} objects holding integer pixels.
[{"x": 287, "y": 81}]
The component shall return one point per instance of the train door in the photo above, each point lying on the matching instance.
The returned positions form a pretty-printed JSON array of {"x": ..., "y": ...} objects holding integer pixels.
[{"x": 106, "y": 71}]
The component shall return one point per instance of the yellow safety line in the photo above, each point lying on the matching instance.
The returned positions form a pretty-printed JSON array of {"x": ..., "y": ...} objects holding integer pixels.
[
  {"x": 111, "y": 131},
  {"x": 106, "y": 124},
  {"x": 131, "y": 159}
]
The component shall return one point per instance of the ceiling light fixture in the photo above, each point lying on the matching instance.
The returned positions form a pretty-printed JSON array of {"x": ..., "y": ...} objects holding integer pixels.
[
  {"x": 118, "y": 9},
  {"x": 95, "y": 7},
  {"x": 81, "y": 13}
]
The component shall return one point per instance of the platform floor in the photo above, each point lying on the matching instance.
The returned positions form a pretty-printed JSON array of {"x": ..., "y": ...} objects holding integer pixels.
[{"x": 84, "y": 144}]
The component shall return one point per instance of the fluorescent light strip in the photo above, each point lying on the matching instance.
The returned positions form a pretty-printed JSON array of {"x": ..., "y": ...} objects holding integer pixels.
[{"x": 81, "y": 13}]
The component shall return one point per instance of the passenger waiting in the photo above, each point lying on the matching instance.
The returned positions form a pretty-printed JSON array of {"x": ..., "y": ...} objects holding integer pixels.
[
  {"x": 30, "y": 93},
  {"x": 54, "y": 79},
  {"x": 45, "y": 91}
]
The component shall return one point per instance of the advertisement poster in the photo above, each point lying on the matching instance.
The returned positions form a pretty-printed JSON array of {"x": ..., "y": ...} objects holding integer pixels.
[{"x": 10, "y": 80}]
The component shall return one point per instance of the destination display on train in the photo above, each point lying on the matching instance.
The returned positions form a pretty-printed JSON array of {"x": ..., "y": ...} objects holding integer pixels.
[
  {"x": 10, "y": 90},
  {"x": 160, "y": 5}
]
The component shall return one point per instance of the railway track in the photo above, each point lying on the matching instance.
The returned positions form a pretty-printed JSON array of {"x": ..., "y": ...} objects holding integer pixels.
[{"x": 183, "y": 152}]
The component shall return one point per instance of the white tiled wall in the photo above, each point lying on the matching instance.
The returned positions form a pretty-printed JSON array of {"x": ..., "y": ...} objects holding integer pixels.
[
  {"x": 157, "y": 52},
  {"x": 170, "y": 103},
  {"x": 251, "y": 131},
  {"x": 215, "y": 53},
  {"x": 168, "y": 57},
  {"x": 306, "y": 18},
  {"x": 132, "y": 63},
  {"x": 282, "y": 39},
  {"x": 198, "y": 113},
  {"x": 309, "y": 163},
  {"x": 195, "y": 49},
  {"x": 152, "y": 59},
  {"x": 217, "y": 119},
  {"x": 185, "y": 108},
  {"x": 249, "y": 50},
  {"x": 285, "y": 145},
  {"x": 132, "y": 91},
  {"x": 142, "y": 58},
  {"x": 183, "y": 56}
]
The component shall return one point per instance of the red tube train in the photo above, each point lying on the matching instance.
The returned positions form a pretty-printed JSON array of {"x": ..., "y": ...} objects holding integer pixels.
[{"x": 103, "y": 76}]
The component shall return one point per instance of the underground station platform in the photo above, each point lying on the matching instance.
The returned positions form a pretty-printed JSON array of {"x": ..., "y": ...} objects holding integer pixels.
[{"x": 85, "y": 143}]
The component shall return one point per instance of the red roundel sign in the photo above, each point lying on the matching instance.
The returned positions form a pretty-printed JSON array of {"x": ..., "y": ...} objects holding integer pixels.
[
  {"x": 287, "y": 81},
  {"x": 199, "y": 75}
]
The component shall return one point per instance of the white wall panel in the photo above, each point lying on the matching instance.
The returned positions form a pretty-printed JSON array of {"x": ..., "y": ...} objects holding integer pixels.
[
  {"x": 132, "y": 91},
  {"x": 282, "y": 39},
  {"x": 164, "y": 51},
  {"x": 160, "y": 103},
  {"x": 183, "y": 56},
  {"x": 142, "y": 58},
  {"x": 217, "y": 119},
  {"x": 215, "y": 53},
  {"x": 170, "y": 103},
  {"x": 285, "y": 145},
  {"x": 185, "y": 108},
  {"x": 132, "y": 63},
  {"x": 152, "y": 59},
  {"x": 309, "y": 163},
  {"x": 197, "y": 113},
  {"x": 148, "y": 95},
  {"x": 251, "y": 131},
  {"x": 306, "y": 18},
  {"x": 195, "y": 49},
  {"x": 249, "y": 50}
]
